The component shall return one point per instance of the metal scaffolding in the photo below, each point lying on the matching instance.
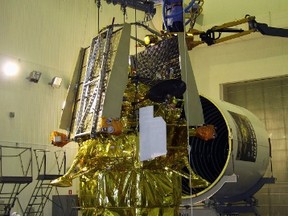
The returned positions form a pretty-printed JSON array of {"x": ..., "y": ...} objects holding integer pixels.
[
  {"x": 43, "y": 188},
  {"x": 13, "y": 180}
]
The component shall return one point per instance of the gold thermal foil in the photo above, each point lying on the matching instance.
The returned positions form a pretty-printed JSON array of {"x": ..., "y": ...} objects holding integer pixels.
[{"x": 112, "y": 179}]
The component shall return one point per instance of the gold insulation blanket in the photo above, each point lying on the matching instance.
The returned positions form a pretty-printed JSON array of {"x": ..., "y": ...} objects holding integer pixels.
[
  {"x": 112, "y": 179},
  {"x": 122, "y": 186}
]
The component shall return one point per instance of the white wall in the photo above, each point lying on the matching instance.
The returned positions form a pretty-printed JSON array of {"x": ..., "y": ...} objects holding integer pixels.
[
  {"x": 250, "y": 57},
  {"x": 217, "y": 12},
  {"x": 256, "y": 58}
]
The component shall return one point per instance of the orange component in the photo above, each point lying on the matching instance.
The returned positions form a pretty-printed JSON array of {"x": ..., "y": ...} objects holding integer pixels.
[
  {"x": 58, "y": 139},
  {"x": 206, "y": 132},
  {"x": 110, "y": 126}
]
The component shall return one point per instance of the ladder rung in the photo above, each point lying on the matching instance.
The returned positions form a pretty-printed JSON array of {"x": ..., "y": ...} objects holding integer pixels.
[
  {"x": 8, "y": 193},
  {"x": 31, "y": 212},
  {"x": 42, "y": 187},
  {"x": 91, "y": 82},
  {"x": 36, "y": 204},
  {"x": 39, "y": 195},
  {"x": 30, "y": 205}
]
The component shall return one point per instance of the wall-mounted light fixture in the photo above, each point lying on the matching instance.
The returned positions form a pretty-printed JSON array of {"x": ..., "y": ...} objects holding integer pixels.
[
  {"x": 56, "y": 82},
  {"x": 11, "y": 114},
  {"x": 34, "y": 76},
  {"x": 10, "y": 68}
]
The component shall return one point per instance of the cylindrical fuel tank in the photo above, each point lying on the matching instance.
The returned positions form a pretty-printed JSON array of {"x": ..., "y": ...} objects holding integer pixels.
[{"x": 235, "y": 160}]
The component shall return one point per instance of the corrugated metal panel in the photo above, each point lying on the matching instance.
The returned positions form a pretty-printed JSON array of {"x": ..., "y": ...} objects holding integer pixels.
[{"x": 268, "y": 99}]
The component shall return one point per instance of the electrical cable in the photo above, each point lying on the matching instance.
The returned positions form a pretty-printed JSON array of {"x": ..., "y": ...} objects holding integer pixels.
[
  {"x": 187, "y": 102},
  {"x": 136, "y": 63}
]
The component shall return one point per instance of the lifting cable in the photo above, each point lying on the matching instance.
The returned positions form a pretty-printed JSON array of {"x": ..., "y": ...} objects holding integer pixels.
[
  {"x": 124, "y": 10},
  {"x": 98, "y": 3}
]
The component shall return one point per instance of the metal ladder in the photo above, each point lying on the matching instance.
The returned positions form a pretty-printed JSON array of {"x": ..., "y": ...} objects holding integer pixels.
[
  {"x": 43, "y": 188},
  {"x": 10, "y": 198},
  {"x": 38, "y": 198}
]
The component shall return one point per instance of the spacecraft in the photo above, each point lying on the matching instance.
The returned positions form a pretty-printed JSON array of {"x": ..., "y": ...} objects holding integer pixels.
[
  {"x": 184, "y": 150},
  {"x": 149, "y": 144}
]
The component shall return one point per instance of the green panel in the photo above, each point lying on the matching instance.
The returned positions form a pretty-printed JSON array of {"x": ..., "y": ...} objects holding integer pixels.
[
  {"x": 119, "y": 77},
  {"x": 193, "y": 107}
]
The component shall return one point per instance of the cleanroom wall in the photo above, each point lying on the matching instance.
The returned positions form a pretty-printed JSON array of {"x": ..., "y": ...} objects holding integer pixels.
[
  {"x": 43, "y": 36},
  {"x": 249, "y": 57},
  {"x": 268, "y": 100}
]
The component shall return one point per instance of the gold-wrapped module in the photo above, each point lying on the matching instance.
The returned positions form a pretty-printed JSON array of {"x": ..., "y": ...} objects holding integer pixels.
[
  {"x": 123, "y": 186},
  {"x": 112, "y": 179}
]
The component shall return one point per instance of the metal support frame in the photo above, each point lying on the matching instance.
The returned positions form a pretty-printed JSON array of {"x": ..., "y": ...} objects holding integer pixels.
[
  {"x": 214, "y": 35},
  {"x": 43, "y": 188},
  {"x": 98, "y": 83},
  {"x": 245, "y": 203},
  {"x": 11, "y": 185},
  {"x": 94, "y": 84}
]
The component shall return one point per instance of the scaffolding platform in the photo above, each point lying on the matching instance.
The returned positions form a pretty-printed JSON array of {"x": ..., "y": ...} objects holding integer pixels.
[
  {"x": 13, "y": 181},
  {"x": 48, "y": 177},
  {"x": 43, "y": 188}
]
